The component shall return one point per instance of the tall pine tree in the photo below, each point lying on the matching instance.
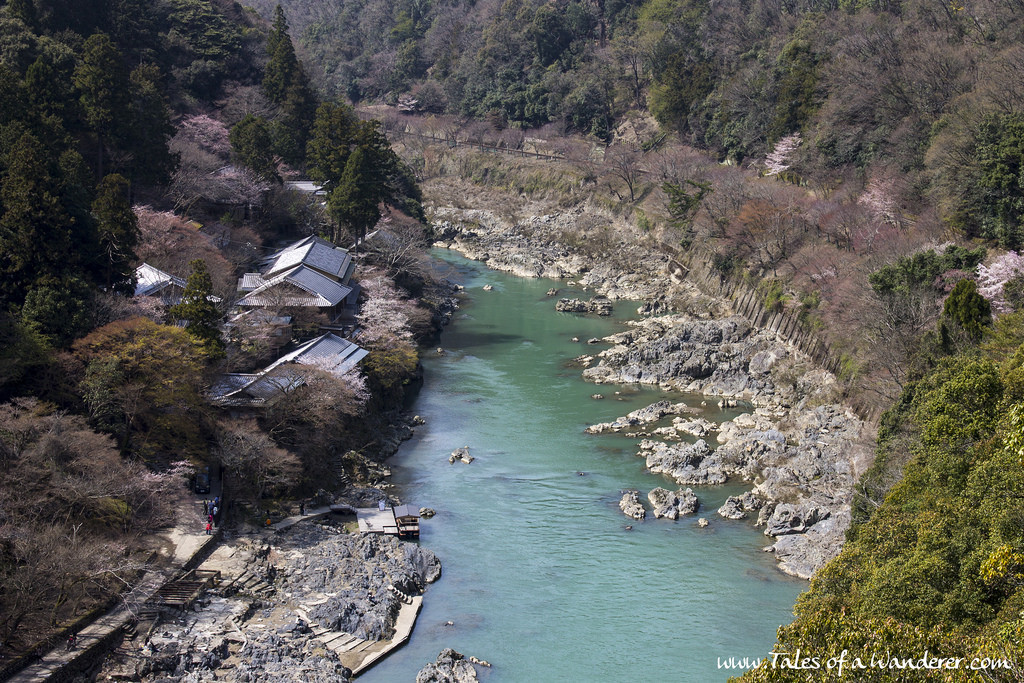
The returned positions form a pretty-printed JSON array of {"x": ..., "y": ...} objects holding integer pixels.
[
  {"x": 197, "y": 310},
  {"x": 102, "y": 79},
  {"x": 286, "y": 84},
  {"x": 118, "y": 231},
  {"x": 35, "y": 228}
]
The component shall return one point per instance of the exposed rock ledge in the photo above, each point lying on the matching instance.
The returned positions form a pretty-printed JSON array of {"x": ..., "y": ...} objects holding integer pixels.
[
  {"x": 540, "y": 246},
  {"x": 802, "y": 451},
  {"x": 450, "y": 667},
  {"x": 642, "y": 416},
  {"x": 280, "y": 598}
]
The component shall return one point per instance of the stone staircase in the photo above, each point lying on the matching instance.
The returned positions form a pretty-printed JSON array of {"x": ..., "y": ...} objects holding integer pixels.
[
  {"x": 338, "y": 642},
  {"x": 252, "y": 581},
  {"x": 404, "y": 597}
]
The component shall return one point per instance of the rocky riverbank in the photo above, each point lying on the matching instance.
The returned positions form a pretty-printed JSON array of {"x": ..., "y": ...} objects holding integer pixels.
[
  {"x": 577, "y": 245},
  {"x": 799, "y": 448},
  {"x": 299, "y": 604},
  {"x": 802, "y": 451}
]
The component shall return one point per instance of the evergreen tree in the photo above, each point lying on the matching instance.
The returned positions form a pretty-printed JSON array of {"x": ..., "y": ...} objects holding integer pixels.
[
  {"x": 12, "y": 96},
  {"x": 35, "y": 235},
  {"x": 334, "y": 132},
  {"x": 355, "y": 200},
  {"x": 249, "y": 142},
  {"x": 24, "y": 10},
  {"x": 118, "y": 232},
  {"x": 198, "y": 312},
  {"x": 102, "y": 79},
  {"x": 59, "y": 309},
  {"x": 48, "y": 83},
  {"x": 968, "y": 309},
  {"x": 292, "y": 129},
  {"x": 285, "y": 83},
  {"x": 150, "y": 129},
  {"x": 283, "y": 66}
]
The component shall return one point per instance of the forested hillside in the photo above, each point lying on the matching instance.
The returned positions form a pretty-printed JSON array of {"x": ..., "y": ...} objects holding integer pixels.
[
  {"x": 881, "y": 148},
  {"x": 160, "y": 132},
  {"x": 924, "y": 95}
]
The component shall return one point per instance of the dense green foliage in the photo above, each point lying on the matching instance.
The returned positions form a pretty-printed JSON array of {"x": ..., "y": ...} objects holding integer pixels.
[
  {"x": 938, "y": 562},
  {"x": 358, "y": 170},
  {"x": 198, "y": 312},
  {"x": 993, "y": 204},
  {"x": 922, "y": 270},
  {"x": 85, "y": 124}
]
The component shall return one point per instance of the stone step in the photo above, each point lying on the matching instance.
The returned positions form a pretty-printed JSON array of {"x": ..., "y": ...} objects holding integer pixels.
[
  {"x": 343, "y": 643},
  {"x": 365, "y": 645},
  {"x": 335, "y": 637},
  {"x": 348, "y": 646}
]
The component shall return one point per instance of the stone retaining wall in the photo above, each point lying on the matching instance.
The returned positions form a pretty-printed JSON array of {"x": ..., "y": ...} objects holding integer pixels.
[{"x": 695, "y": 267}]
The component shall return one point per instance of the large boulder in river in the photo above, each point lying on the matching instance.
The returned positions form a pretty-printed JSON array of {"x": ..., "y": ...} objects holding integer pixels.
[
  {"x": 599, "y": 305},
  {"x": 631, "y": 505},
  {"x": 461, "y": 454},
  {"x": 732, "y": 509},
  {"x": 672, "y": 504},
  {"x": 450, "y": 667},
  {"x": 688, "y": 463},
  {"x": 571, "y": 306}
]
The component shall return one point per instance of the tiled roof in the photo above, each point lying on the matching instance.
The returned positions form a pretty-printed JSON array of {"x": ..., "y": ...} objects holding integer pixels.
[
  {"x": 322, "y": 291},
  {"x": 328, "y": 352},
  {"x": 314, "y": 252},
  {"x": 250, "y": 281},
  {"x": 151, "y": 281}
]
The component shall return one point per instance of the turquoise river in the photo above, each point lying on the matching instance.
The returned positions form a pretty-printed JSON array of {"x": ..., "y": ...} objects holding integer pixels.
[{"x": 541, "y": 577}]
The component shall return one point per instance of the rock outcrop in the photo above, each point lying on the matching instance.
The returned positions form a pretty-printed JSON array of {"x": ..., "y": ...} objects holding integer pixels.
[
  {"x": 631, "y": 505},
  {"x": 599, "y": 305},
  {"x": 450, "y": 667},
  {"x": 258, "y": 624},
  {"x": 738, "y": 507},
  {"x": 804, "y": 452},
  {"x": 461, "y": 454},
  {"x": 689, "y": 464},
  {"x": 641, "y": 416},
  {"x": 673, "y": 504}
]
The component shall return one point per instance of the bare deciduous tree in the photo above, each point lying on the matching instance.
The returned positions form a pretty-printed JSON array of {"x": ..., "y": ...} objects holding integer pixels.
[
  {"x": 257, "y": 465},
  {"x": 623, "y": 162}
]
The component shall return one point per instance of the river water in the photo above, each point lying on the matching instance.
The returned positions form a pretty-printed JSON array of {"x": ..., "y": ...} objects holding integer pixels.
[{"x": 541, "y": 576}]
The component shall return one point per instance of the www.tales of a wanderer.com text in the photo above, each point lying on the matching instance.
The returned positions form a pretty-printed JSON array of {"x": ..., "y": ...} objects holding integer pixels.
[{"x": 847, "y": 663}]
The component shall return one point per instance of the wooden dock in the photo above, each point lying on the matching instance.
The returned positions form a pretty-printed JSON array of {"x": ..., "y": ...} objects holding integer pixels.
[{"x": 402, "y": 521}]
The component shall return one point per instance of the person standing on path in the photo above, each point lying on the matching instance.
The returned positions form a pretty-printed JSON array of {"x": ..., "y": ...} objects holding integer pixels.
[
  {"x": 208, "y": 527},
  {"x": 302, "y": 508}
]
